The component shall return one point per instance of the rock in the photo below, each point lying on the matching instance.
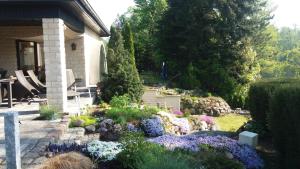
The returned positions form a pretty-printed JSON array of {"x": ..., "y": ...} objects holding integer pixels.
[
  {"x": 109, "y": 131},
  {"x": 195, "y": 122},
  {"x": 214, "y": 127},
  {"x": 132, "y": 128},
  {"x": 204, "y": 126},
  {"x": 90, "y": 129},
  {"x": 78, "y": 123},
  {"x": 174, "y": 125},
  {"x": 212, "y": 106},
  {"x": 153, "y": 127}
]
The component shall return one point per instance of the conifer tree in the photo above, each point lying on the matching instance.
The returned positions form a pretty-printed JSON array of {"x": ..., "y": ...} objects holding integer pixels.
[{"x": 122, "y": 77}]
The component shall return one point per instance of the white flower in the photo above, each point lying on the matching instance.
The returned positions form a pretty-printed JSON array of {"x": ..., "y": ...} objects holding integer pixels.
[{"x": 104, "y": 151}]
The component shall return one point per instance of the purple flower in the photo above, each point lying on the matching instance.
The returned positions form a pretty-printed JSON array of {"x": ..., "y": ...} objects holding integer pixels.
[
  {"x": 207, "y": 119},
  {"x": 243, "y": 153},
  {"x": 178, "y": 113},
  {"x": 153, "y": 127}
]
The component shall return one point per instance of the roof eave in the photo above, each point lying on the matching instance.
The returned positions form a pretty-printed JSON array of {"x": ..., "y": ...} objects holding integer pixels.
[{"x": 91, "y": 12}]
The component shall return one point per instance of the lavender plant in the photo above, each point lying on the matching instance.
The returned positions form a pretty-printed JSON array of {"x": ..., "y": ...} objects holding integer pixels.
[
  {"x": 153, "y": 127},
  {"x": 243, "y": 153}
]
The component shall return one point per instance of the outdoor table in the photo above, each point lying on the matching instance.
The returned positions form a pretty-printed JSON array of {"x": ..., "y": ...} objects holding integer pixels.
[{"x": 8, "y": 83}]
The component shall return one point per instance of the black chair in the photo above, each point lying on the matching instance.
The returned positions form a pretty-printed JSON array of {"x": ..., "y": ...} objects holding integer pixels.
[{"x": 3, "y": 73}]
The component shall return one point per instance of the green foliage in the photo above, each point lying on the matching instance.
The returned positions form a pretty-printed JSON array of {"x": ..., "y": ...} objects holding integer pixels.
[
  {"x": 258, "y": 128},
  {"x": 203, "y": 42},
  {"x": 144, "y": 20},
  {"x": 220, "y": 161},
  {"x": 122, "y": 77},
  {"x": 280, "y": 57},
  {"x": 259, "y": 97},
  {"x": 284, "y": 121},
  {"x": 120, "y": 101},
  {"x": 127, "y": 114},
  {"x": 139, "y": 154},
  {"x": 49, "y": 113},
  {"x": 87, "y": 120}
]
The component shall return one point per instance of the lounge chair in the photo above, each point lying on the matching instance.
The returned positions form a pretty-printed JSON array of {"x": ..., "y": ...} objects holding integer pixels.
[
  {"x": 22, "y": 89},
  {"x": 73, "y": 83},
  {"x": 36, "y": 82},
  {"x": 71, "y": 92}
]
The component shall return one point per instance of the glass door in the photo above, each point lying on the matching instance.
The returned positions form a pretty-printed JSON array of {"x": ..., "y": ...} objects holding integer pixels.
[{"x": 27, "y": 56}]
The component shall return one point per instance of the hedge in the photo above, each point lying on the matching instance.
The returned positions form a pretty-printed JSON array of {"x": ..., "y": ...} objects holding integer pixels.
[
  {"x": 284, "y": 123},
  {"x": 260, "y": 94}
]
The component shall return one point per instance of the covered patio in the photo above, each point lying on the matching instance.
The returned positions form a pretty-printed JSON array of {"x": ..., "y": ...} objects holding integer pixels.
[{"x": 50, "y": 37}]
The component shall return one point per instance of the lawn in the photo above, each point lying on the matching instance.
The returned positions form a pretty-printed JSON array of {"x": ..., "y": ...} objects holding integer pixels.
[{"x": 231, "y": 122}]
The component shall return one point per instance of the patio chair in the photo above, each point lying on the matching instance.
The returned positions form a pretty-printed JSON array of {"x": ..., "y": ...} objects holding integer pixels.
[
  {"x": 74, "y": 81},
  {"x": 71, "y": 92},
  {"x": 36, "y": 82},
  {"x": 22, "y": 89}
]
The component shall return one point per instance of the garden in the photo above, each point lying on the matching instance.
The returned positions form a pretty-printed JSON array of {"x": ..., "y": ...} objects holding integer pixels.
[
  {"x": 138, "y": 136},
  {"x": 215, "y": 57}
]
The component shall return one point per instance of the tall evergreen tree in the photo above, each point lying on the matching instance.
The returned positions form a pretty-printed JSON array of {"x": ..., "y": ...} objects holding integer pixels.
[
  {"x": 122, "y": 77},
  {"x": 212, "y": 41},
  {"x": 136, "y": 86}
]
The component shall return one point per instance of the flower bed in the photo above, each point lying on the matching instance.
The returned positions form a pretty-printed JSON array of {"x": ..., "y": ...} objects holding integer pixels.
[{"x": 243, "y": 153}]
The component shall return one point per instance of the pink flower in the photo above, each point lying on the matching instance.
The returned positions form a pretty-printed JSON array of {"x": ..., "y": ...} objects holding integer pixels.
[
  {"x": 207, "y": 119},
  {"x": 178, "y": 113}
]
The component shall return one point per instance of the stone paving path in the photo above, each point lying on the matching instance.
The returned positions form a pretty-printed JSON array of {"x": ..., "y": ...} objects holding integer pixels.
[{"x": 36, "y": 135}]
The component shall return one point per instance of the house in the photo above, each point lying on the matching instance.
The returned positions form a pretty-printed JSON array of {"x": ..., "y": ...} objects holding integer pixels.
[{"x": 53, "y": 35}]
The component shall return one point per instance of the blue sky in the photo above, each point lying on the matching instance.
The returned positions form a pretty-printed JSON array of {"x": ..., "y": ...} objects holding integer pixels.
[{"x": 287, "y": 12}]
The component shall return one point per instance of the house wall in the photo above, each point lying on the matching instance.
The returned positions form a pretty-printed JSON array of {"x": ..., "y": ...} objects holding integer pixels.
[
  {"x": 85, "y": 61},
  {"x": 92, "y": 46},
  {"x": 75, "y": 59},
  {"x": 8, "y": 36}
]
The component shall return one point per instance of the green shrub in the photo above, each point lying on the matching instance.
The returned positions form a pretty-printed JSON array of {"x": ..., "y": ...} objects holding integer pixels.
[
  {"x": 284, "y": 121},
  {"x": 120, "y": 101},
  {"x": 49, "y": 113},
  {"x": 128, "y": 114},
  {"x": 139, "y": 154},
  {"x": 260, "y": 94},
  {"x": 87, "y": 120},
  {"x": 219, "y": 161},
  {"x": 150, "y": 110}
]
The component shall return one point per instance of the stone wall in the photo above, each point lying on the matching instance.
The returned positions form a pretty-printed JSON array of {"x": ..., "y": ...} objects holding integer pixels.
[
  {"x": 75, "y": 59},
  {"x": 153, "y": 98}
]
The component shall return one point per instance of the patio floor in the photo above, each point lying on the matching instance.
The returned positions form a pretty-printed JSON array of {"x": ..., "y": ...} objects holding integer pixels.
[
  {"x": 24, "y": 108},
  {"x": 35, "y": 135}
]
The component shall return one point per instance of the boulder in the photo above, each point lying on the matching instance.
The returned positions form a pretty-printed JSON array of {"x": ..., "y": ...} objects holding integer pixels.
[
  {"x": 212, "y": 106},
  {"x": 132, "y": 128},
  {"x": 109, "y": 131},
  {"x": 90, "y": 129},
  {"x": 174, "y": 125}
]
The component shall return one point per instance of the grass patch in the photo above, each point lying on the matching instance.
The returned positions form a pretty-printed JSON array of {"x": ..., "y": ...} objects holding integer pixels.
[
  {"x": 130, "y": 114},
  {"x": 48, "y": 113},
  {"x": 87, "y": 120},
  {"x": 231, "y": 122}
]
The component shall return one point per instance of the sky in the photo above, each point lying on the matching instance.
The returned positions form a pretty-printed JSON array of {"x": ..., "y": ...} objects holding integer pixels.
[{"x": 287, "y": 12}]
